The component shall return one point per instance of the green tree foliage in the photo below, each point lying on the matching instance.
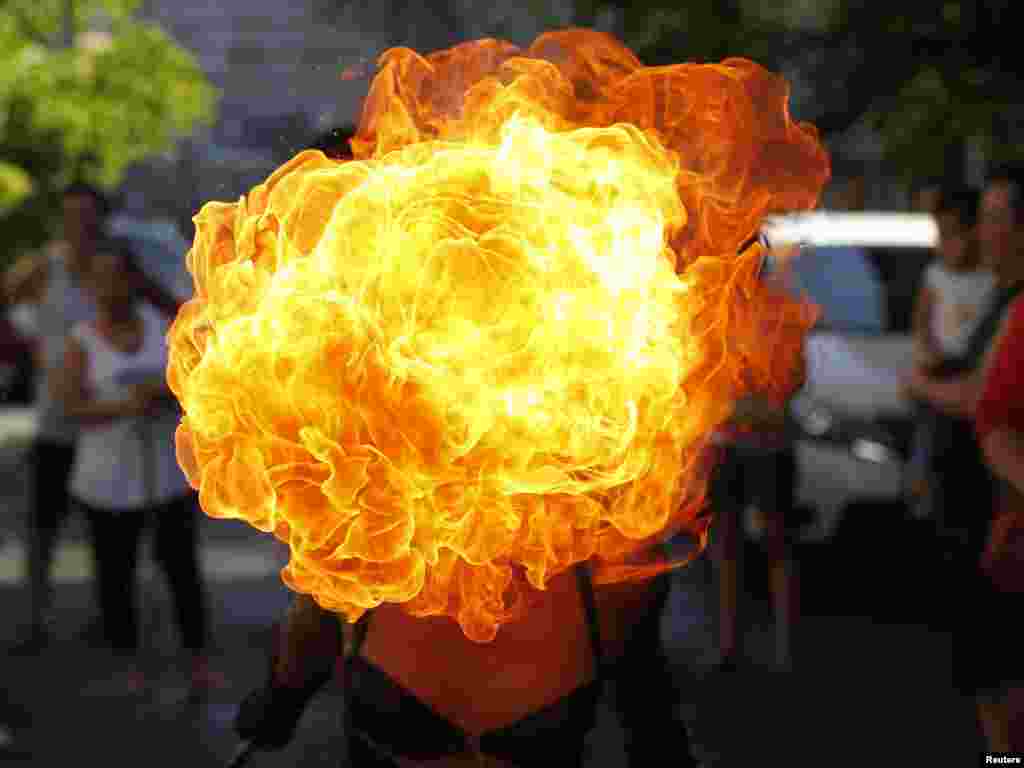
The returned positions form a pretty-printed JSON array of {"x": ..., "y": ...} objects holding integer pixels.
[
  {"x": 121, "y": 92},
  {"x": 927, "y": 76}
]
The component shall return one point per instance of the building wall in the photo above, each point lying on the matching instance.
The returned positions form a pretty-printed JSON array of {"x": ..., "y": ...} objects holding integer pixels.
[{"x": 278, "y": 66}]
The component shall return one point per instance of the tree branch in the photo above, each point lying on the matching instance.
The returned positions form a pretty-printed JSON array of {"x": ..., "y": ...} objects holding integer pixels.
[{"x": 25, "y": 25}]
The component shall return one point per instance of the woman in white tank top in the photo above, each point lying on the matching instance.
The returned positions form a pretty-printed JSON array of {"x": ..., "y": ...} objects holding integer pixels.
[{"x": 125, "y": 472}]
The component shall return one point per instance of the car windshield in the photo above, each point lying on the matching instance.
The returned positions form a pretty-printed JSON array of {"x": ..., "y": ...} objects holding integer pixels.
[
  {"x": 845, "y": 285},
  {"x": 862, "y": 269}
]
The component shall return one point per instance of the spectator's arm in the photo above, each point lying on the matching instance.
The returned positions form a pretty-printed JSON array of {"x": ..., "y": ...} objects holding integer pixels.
[
  {"x": 156, "y": 295},
  {"x": 25, "y": 280},
  {"x": 956, "y": 396},
  {"x": 926, "y": 347},
  {"x": 960, "y": 395},
  {"x": 150, "y": 290},
  {"x": 156, "y": 389},
  {"x": 1004, "y": 450},
  {"x": 68, "y": 388}
]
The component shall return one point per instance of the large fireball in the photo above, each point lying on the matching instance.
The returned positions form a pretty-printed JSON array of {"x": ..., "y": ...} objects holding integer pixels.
[{"x": 494, "y": 344}]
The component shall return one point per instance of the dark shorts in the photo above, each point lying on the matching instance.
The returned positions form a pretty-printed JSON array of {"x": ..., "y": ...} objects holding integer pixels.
[{"x": 746, "y": 475}]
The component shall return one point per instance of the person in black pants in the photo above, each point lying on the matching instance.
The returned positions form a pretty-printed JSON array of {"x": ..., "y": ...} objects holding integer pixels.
[
  {"x": 115, "y": 536},
  {"x": 759, "y": 470},
  {"x": 49, "y": 466},
  {"x": 55, "y": 282},
  {"x": 126, "y": 475}
]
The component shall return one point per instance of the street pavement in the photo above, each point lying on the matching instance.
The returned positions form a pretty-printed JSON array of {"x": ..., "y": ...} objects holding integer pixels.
[{"x": 862, "y": 691}]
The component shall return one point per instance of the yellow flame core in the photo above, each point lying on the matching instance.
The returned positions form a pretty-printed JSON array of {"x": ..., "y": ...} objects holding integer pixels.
[{"x": 479, "y": 354}]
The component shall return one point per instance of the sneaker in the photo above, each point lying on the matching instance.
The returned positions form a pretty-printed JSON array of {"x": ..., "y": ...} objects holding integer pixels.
[
  {"x": 9, "y": 747},
  {"x": 38, "y": 640}
]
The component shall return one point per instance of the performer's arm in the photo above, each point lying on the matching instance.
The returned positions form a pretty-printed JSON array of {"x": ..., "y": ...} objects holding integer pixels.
[
  {"x": 310, "y": 642},
  {"x": 307, "y": 645}
]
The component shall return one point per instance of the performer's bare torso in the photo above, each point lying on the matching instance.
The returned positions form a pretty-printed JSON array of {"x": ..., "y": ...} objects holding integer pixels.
[{"x": 531, "y": 663}]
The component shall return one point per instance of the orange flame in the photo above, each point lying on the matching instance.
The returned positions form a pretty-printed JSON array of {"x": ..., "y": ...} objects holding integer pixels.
[{"x": 495, "y": 343}]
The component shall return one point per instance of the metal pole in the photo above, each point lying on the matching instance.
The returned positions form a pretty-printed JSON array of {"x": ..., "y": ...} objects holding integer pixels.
[
  {"x": 69, "y": 23},
  {"x": 243, "y": 753}
]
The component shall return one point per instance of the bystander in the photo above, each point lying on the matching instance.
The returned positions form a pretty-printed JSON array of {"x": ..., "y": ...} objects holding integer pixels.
[
  {"x": 54, "y": 280},
  {"x": 125, "y": 475},
  {"x": 982, "y": 661}
]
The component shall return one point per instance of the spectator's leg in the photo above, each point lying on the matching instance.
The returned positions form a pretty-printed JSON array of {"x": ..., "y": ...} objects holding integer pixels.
[
  {"x": 177, "y": 551},
  {"x": 177, "y": 545},
  {"x": 727, "y": 499},
  {"x": 776, "y": 497},
  {"x": 1000, "y": 702},
  {"x": 115, "y": 539},
  {"x": 50, "y": 467},
  {"x": 983, "y": 653},
  {"x": 994, "y": 723},
  {"x": 979, "y": 657},
  {"x": 646, "y": 697},
  {"x": 1015, "y": 717},
  {"x": 963, "y": 488}
]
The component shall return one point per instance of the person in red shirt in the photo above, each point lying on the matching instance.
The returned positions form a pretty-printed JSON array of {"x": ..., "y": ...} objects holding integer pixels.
[
  {"x": 999, "y": 422},
  {"x": 999, "y": 416},
  {"x": 973, "y": 462}
]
